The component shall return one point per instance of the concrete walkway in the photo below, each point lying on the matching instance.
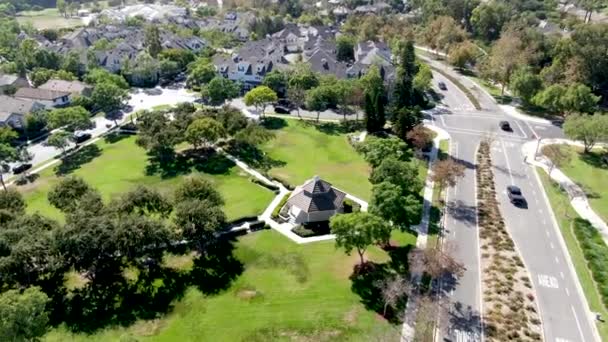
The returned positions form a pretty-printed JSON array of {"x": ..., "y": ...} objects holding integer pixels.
[
  {"x": 577, "y": 196},
  {"x": 408, "y": 331}
]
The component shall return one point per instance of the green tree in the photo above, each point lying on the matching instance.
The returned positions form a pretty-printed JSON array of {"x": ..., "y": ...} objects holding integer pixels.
[
  {"x": 108, "y": 96},
  {"x": 374, "y": 100},
  {"x": 406, "y": 71},
  {"x": 62, "y": 7},
  {"x": 375, "y": 150},
  {"x": 60, "y": 140},
  {"x": 39, "y": 76},
  {"x": 71, "y": 119},
  {"x": 318, "y": 99},
  {"x": 590, "y": 129},
  {"x": 66, "y": 194},
  {"x": 489, "y": 18},
  {"x": 442, "y": 33},
  {"x": 182, "y": 56},
  {"x": 202, "y": 73},
  {"x": 221, "y": 89},
  {"x": 24, "y": 316},
  {"x": 71, "y": 63},
  {"x": 400, "y": 173},
  {"x": 152, "y": 40},
  {"x": 276, "y": 80},
  {"x": 422, "y": 80},
  {"x": 98, "y": 75},
  {"x": 197, "y": 188},
  {"x": 8, "y": 154},
  {"x": 358, "y": 231},
  {"x": 391, "y": 204},
  {"x": 303, "y": 77},
  {"x": 199, "y": 220},
  {"x": 575, "y": 98},
  {"x": 506, "y": 55},
  {"x": 345, "y": 48},
  {"x": 525, "y": 84},
  {"x": 260, "y": 97},
  {"x": 297, "y": 96},
  {"x": 204, "y": 132},
  {"x": 462, "y": 54},
  {"x": 404, "y": 120},
  {"x": 142, "y": 201}
]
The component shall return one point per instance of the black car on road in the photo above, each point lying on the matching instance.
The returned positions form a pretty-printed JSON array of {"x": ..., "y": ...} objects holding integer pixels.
[
  {"x": 80, "y": 137},
  {"x": 505, "y": 126},
  {"x": 21, "y": 168},
  {"x": 515, "y": 195},
  {"x": 442, "y": 86}
]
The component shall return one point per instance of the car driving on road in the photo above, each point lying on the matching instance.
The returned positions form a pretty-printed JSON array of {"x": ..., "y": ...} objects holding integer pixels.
[
  {"x": 81, "y": 137},
  {"x": 442, "y": 86},
  {"x": 505, "y": 126},
  {"x": 515, "y": 195}
]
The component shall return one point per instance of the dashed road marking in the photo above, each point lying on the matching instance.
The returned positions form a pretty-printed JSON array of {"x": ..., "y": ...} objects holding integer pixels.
[
  {"x": 548, "y": 281},
  {"x": 551, "y": 245},
  {"x": 561, "y": 274},
  {"x": 567, "y": 292},
  {"x": 556, "y": 260},
  {"x": 547, "y": 232}
]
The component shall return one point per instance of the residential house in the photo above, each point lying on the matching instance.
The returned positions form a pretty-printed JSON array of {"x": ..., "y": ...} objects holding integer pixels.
[
  {"x": 252, "y": 62},
  {"x": 314, "y": 201},
  {"x": 13, "y": 110},
  {"x": 49, "y": 98},
  {"x": 76, "y": 88},
  {"x": 10, "y": 83}
]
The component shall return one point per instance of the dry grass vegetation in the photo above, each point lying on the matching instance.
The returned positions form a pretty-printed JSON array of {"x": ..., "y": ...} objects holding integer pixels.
[{"x": 510, "y": 312}]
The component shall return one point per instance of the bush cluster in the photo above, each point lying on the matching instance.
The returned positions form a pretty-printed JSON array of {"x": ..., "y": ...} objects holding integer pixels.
[{"x": 595, "y": 252}]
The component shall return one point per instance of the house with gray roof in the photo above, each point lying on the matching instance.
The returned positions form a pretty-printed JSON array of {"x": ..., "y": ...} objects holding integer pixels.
[
  {"x": 72, "y": 87},
  {"x": 49, "y": 98},
  {"x": 10, "y": 83},
  {"x": 314, "y": 201},
  {"x": 13, "y": 110}
]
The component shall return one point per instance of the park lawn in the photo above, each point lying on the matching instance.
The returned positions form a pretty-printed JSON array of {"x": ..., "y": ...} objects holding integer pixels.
[
  {"x": 287, "y": 292},
  {"x": 589, "y": 172},
  {"x": 564, "y": 214},
  {"x": 307, "y": 151},
  {"x": 121, "y": 166},
  {"x": 48, "y": 19}
]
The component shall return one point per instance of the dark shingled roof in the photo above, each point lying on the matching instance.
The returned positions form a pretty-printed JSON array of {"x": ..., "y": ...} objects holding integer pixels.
[{"x": 317, "y": 195}]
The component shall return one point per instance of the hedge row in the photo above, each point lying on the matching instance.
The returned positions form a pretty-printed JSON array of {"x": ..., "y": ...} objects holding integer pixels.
[
  {"x": 595, "y": 252},
  {"x": 277, "y": 210},
  {"x": 270, "y": 187}
]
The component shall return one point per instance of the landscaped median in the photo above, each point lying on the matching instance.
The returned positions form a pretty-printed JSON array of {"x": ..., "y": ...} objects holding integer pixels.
[{"x": 509, "y": 308}]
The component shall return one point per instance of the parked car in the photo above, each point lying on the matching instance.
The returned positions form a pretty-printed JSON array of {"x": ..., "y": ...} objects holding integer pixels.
[
  {"x": 442, "y": 86},
  {"x": 21, "y": 168},
  {"x": 281, "y": 110},
  {"x": 505, "y": 126},
  {"x": 153, "y": 91},
  {"x": 286, "y": 103},
  {"x": 515, "y": 195},
  {"x": 80, "y": 137}
]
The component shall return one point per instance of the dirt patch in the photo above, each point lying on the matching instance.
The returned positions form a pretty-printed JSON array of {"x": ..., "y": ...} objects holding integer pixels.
[
  {"x": 350, "y": 317},
  {"x": 148, "y": 328}
]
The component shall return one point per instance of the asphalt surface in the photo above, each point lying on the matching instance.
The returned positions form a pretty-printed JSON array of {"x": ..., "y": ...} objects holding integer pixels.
[{"x": 563, "y": 310}]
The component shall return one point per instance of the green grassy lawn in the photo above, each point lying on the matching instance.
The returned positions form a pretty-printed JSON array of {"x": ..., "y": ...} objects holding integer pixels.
[
  {"x": 308, "y": 151},
  {"x": 288, "y": 292},
  {"x": 47, "y": 19},
  {"x": 121, "y": 166},
  {"x": 591, "y": 174},
  {"x": 565, "y": 214}
]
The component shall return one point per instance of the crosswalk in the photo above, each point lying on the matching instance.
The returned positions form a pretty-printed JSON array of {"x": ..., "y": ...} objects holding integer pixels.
[{"x": 465, "y": 336}]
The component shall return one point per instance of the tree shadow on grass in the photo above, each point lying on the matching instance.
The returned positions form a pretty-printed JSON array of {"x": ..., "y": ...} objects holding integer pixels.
[
  {"x": 365, "y": 283},
  {"x": 329, "y": 128},
  {"x": 274, "y": 123},
  {"x": 216, "y": 268},
  {"x": 209, "y": 161},
  {"x": 168, "y": 164},
  {"x": 115, "y": 137},
  {"x": 75, "y": 160},
  {"x": 595, "y": 159},
  {"x": 253, "y": 156}
]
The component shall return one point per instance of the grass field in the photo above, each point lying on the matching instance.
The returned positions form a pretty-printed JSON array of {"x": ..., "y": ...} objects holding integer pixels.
[
  {"x": 47, "y": 19},
  {"x": 288, "y": 292},
  {"x": 565, "y": 214},
  {"x": 591, "y": 174},
  {"x": 116, "y": 167},
  {"x": 308, "y": 151}
]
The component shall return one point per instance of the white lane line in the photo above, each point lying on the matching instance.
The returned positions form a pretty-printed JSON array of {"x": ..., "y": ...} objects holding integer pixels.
[
  {"x": 547, "y": 232},
  {"x": 567, "y": 292},
  {"x": 551, "y": 245},
  {"x": 544, "y": 222},
  {"x": 578, "y": 324},
  {"x": 556, "y": 260},
  {"x": 507, "y": 160},
  {"x": 561, "y": 274},
  {"x": 534, "y": 192},
  {"x": 540, "y": 211},
  {"x": 521, "y": 129}
]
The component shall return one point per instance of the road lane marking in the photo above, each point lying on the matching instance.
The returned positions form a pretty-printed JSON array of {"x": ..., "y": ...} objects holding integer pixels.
[
  {"x": 521, "y": 129},
  {"x": 544, "y": 222},
  {"x": 547, "y": 232},
  {"x": 557, "y": 260},
  {"x": 548, "y": 281},
  {"x": 578, "y": 324},
  {"x": 551, "y": 245},
  {"x": 507, "y": 160},
  {"x": 540, "y": 211},
  {"x": 567, "y": 292},
  {"x": 562, "y": 275}
]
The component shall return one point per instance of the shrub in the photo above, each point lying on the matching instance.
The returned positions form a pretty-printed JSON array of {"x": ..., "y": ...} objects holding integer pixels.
[
  {"x": 282, "y": 181},
  {"x": 595, "y": 252},
  {"x": 277, "y": 210},
  {"x": 270, "y": 187},
  {"x": 351, "y": 206},
  {"x": 303, "y": 231}
]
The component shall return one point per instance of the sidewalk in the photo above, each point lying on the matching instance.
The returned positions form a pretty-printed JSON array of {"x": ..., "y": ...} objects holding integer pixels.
[
  {"x": 577, "y": 196},
  {"x": 408, "y": 330}
]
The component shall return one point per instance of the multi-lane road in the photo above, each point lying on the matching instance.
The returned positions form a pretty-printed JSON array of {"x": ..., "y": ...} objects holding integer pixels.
[{"x": 563, "y": 310}]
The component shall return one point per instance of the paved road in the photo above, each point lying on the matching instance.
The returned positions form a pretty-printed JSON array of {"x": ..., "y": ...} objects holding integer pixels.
[{"x": 562, "y": 308}]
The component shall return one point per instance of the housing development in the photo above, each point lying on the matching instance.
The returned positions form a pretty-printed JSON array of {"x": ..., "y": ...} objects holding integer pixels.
[{"x": 299, "y": 170}]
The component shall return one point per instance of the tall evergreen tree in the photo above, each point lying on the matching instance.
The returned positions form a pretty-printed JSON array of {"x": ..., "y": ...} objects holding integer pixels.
[
  {"x": 152, "y": 40},
  {"x": 370, "y": 113},
  {"x": 406, "y": 71},
  {"x": 374, "y": 100}
]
